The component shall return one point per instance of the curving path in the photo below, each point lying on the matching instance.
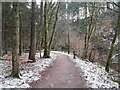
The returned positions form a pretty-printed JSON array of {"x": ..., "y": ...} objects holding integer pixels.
[{"x": 62, "y": 74}]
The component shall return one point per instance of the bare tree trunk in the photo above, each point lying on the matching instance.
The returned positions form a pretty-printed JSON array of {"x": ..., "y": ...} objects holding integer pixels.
[
  {"x": 20, "y": 36},
  {"x": 46, "y": 54},
  {"x": 68, "y": 43},
  {"x": 33, "y": 35},
  {"x": 112, "y": 45},
  {"x": 41, "y": 28},
  {"x": 15, "y": 40},
  {"x": 0, "y": 28},
  {"x": 38, "y": 29}
]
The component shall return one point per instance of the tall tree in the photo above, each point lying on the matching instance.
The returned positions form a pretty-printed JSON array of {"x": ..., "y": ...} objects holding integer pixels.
[
  {"x": 15, "y": 40},
  {"x": 42, "y": 27},
  {"x": 46, "y": 52},
  {"x": 38, "y": 21},
  {"x": 0, "y": 29},
  {"x": 40, "y": 35},
  {"x": 33, "y": 34}
]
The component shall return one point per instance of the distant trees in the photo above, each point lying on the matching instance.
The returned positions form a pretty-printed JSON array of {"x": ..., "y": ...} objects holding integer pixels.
[
  {"x": 15, "y": 40},
  {"x": 7, "y": 25},
  {"x": 90, "y": 26},
  {"x": 7, "y": 15}
]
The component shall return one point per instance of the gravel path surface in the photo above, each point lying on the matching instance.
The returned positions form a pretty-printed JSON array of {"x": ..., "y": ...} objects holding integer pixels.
[{"x": 62, "y": 74}]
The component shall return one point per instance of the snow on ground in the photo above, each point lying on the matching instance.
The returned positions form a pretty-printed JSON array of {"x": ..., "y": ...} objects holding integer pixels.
[
  {"x": 95, "y": 75},
  {"x": 29, "y": 72}
]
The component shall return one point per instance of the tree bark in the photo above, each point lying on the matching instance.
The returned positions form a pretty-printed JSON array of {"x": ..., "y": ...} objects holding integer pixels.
[
  {"x": 46, "y": 54},
  {"x": 41, "y": 27},
  {"x": 20, "y": 36},
  {"x": 33, "y": 34},
  {"x": 15, "y": 41},
  {"x": 0, "y": 28}
]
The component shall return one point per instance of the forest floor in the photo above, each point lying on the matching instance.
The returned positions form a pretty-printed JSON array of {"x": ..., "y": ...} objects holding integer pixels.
[
  {"x": 62, "y": 74},
  {"x": 59, "y": 71}
]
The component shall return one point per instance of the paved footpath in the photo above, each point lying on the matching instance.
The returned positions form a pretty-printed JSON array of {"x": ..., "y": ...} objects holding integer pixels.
[{"x": 63, "y": 74}]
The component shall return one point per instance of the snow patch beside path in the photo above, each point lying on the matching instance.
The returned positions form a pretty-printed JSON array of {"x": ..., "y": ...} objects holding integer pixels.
[
  {"x": 96, "y": 76},
  {"x": 29, "y": 72}
]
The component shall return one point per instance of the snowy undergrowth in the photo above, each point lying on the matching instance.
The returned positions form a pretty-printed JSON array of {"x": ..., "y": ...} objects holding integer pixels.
[
  {"x": 29, "y": 72},
  {"x": 95, "y": 75}
]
